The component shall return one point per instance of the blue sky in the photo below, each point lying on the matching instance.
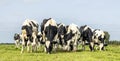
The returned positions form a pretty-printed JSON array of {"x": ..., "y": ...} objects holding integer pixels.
[{"x": 99, "y": 14}]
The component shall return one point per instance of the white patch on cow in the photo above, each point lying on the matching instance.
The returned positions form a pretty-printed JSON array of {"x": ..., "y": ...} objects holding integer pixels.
[
  {"x": 26, "y": 22},
  {"x": 99, "y": 33},
  {"x": 47, "y": 43},
  {"x": 86, "y": 28},
  {"x": 56, "y": 37},
  {"x": 61, "y": 25},
  {"x": 50, "y": 22},
  {"x": 39, "y": 33},
  {"x": 62, "y": 36},
  {"x": 101, "y": 45},
  {"x": 92, "y": 29},
  {"x": 73, "y": 27},
  {"x": 24, "y": 34}
]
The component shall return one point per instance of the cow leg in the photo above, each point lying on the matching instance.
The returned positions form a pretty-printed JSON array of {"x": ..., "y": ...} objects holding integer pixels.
[
  {"x": 101, "y": 46},
  {"x": 28, "y": 46},
  {"x": 67, "y": 47},
  {"x": 34, "y": 47},
  {"x": 17, "y": 43},
  {"x": 55, "y": 46},
  {"x": 23, "y": 46},
  {"x": 97, "y": 47},
  {"x": 83, "y": 45},
  {"x": 45, "y": 49},
  {"x": 75, "y": 46},
  {"x": 48, "y": 47},
  {"x": 91, "y": 46}
]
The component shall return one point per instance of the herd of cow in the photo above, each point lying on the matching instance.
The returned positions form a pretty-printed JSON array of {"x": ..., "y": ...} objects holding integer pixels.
[{"x": 53, "y": 36}]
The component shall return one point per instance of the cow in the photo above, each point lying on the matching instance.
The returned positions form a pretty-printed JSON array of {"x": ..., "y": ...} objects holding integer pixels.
[
  {"x": 86, "y": 36},
  {"x": 61, "y": 33},
  {"x": 49, "y": 32},
  {"x": 29, "y": 34},
  {"x": 17, "y": 38},
  {"x": 99, "y": 38},
  {"x": 72, "y": 37}
]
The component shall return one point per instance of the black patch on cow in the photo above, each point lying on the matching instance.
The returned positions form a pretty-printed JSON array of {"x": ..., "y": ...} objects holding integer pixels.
[
  {"x": 58, "y": 24},
  {"x": 101, "y": 39},
  {"x": 71, "y": 47},
  {"x": 62, "y": 30},
  {"x": 28, "y": 30},
  {"x": 82, "y": 30},
  {"x": 87, "y": 35},
  {"x": 26, "y": 40},
  {"x": 68, "y": 36},
  {"x": 50, "y": 32},
  {"x": 43, "y": 24}
]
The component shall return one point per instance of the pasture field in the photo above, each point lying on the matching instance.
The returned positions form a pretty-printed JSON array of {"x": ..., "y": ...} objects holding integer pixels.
[{"x": 9, "y": 53}]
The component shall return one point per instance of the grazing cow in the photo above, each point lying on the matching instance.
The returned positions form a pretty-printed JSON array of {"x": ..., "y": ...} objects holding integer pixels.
[
  {"x": 72, "y": 37},
  {"x": 86, "y": 36},
  {"x": 99, "y": 38},
  {"x": 17, "y": 39},
  {"x": 61, "y": 33},
  {"x": 29, "y": 34},
  {"x": 49, "y": 31}
]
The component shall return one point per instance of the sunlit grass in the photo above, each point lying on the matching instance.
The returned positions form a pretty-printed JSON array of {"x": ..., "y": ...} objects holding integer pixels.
[{"x": 10, "y": 53}]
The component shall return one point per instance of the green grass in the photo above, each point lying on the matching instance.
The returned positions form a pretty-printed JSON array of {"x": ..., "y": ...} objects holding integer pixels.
[{"x": 9, "y": 53}]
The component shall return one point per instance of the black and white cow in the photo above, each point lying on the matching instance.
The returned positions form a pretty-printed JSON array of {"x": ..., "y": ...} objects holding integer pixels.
[
  {"x": 92, "y": 37},
  {"x": 99, "y": 38},
  {"x": 86, "y": 36},
  {"x": 72, "y": 37},
  {"x": 29, "y": 34},
  {"x": 49, "y": 31},
  {"x": 17, "y": 38},
  {"x": 61, "y": 33}
]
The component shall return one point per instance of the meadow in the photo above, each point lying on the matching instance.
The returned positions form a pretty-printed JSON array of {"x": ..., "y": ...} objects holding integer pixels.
[{"x": 10, "y": 53}]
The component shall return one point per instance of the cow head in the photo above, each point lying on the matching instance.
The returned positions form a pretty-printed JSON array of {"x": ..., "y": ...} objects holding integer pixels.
[
  {"x": 62, "y": 30},
  {"x": 50, "y": 33},
  {"x": 16, "y": 36}
]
